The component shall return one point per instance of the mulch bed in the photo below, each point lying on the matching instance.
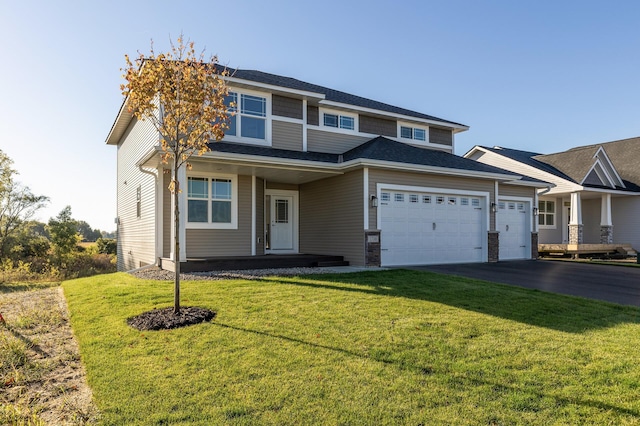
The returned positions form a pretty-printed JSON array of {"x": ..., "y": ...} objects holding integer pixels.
[{"x": 165, "y": 319}]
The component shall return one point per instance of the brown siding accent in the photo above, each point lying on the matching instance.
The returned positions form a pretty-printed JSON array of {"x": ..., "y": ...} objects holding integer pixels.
[
  {"x": 313, "y": 115},
  {"x": 225, "y": 242},
  {"x": 287, "y": 135},
  {"x": 284, "y": 186},
  {"x": 427, "y": 180},
  {"x": 378, "y": 126},
  {"x": 331, "y": 217},
  {"x": 333, "y": 143},
  {"x": 167, "y": 214},
  {"x": 440, "y": 136},
  {"x": 286, "y": 107},
  {"x": 259, "y": 216},
  {"x": 516, "y": 191}
]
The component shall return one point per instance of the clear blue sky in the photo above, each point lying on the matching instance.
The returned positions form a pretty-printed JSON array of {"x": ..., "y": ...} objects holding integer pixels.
[{"x": 536, "y": 75}]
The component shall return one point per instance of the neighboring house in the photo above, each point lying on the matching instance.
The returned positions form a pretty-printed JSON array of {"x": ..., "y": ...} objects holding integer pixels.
[
  {"x": 311, "y": 170},
  {"x": 595, "y": 196}
]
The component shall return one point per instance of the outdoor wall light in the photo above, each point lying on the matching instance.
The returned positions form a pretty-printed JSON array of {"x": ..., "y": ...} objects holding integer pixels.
[
  {"x": 374, "y": 201},
  {"x": 535, "y": 211},
  {"x": 493, "y": 208}
]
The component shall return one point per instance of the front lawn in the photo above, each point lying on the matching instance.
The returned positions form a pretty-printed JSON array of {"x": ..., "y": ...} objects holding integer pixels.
[{"x": 390, "y": 347}]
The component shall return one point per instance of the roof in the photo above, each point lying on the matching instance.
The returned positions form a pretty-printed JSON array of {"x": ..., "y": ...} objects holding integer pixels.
[
  {"x": 330, "y": 94},
  {"x": 378, "y": 149},
  {"x": 575, "y": 164}
]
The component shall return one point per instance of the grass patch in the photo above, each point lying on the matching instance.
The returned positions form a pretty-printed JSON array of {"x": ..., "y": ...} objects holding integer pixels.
[{"x": 391, "y": 347}]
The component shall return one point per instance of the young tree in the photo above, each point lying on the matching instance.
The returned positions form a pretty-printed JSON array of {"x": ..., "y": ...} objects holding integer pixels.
[
  {"x": 182, "y": 94},
  {"x": 17, "y": 204},
  {"x": 64, "y": 235}
]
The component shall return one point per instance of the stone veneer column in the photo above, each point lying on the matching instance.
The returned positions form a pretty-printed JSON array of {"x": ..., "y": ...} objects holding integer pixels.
[
  {"x": 372, "y": 247},
  {"x": 494, "y": 246},
  {"x": 534, "y": 245},
  {"x": 575, "y": 234},
  {"x": 606, "y": 234}
]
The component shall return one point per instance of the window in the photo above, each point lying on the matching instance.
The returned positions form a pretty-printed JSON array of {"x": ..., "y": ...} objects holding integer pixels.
[
  {"x": 385, "y": 196},
  {"x": 415, "y": 133},
  {"x": 452, "y": 201},
  {"x": 475, "y": 202},
  {"x": 399, "y": 198},
  {"x": 464, "y": 201},
  {"x": 547, "y": 213},
  {"x": 210, "y": 201},
  {"x": 413, "y": 198},
  {"x": 339, "y": 121},
  {"x": 426, "y": 199},
  {"x": 251, "y": 116},
  {"x": 440, "y": 200}
]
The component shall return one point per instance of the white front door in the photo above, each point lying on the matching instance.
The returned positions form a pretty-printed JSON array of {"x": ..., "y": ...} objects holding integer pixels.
[{"x": 282, "y": 221}]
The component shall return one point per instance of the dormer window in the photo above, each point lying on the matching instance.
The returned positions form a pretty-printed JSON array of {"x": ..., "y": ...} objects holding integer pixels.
[
  {"x": 414, "y": 133},
  {"x": 339, "y": 121}
]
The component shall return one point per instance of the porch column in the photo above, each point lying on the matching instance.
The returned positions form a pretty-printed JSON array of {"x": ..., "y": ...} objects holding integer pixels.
[
  {"x": 606, "y": 225},
  {"x": 575, "y": 221},
  {"x": 182, "y": 180}
]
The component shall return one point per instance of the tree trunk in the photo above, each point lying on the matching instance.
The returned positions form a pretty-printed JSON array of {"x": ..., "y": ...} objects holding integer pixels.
[{"x": 176, "y": 248}]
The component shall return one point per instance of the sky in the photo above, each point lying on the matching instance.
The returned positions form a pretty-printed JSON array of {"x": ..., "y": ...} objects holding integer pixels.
[{"x": 542, "y": 76}]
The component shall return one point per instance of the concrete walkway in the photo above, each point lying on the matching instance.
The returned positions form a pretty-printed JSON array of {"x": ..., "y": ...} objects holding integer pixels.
[{"x": 611, "y": 283}]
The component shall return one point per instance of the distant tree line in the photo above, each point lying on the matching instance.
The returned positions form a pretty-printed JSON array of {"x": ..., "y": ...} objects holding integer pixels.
[{"x": 53, "y": 249}]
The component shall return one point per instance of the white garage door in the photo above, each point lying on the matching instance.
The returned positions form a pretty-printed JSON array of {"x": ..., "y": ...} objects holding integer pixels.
[
  {"x": 512, "y": 221},
  {"x": 420, "y": 228}
]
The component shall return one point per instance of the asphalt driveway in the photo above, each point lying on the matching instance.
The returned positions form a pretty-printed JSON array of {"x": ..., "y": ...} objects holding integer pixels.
[{"x": 611, "y": 283}]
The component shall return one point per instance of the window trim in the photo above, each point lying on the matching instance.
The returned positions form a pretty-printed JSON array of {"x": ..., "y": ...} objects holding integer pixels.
[
  {"x": 554, "y": 213},
  {"x": 238, "y": 114},
  {"x": 413, "y": 128},
  {"x": 339, "y": 114},
  {"x": 234, "y": 202}
]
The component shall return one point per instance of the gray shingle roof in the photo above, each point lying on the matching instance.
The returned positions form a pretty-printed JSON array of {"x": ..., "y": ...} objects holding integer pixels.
[{"x": 330, "y": 94}]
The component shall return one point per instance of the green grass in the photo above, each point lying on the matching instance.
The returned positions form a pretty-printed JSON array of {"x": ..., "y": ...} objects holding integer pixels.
[{"x": 391, "y": 347}]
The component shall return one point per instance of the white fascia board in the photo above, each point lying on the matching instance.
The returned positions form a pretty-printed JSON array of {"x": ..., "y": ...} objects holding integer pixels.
[
  {"x": 456, "y": 127},
  {"x": 616, "y": 176},
  {"x": 529, "y": 183},
  {"x": 274, "y": 88},
  {"x": 119, "y": 125},
  {"x": 610, "y": 191},
  {"x": 272, "y": 162},
  {"x": 427, "y": 169}
]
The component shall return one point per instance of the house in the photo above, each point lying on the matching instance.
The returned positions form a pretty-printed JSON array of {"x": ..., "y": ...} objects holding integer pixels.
[
  {"x": 594, "y": 196},
  {"x": 312, "y": 170}
]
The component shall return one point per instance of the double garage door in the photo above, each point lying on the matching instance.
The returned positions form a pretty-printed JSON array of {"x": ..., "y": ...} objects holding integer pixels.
[
  {"x": 430, "y": 228},
  {"x": 420, "y": 228}
]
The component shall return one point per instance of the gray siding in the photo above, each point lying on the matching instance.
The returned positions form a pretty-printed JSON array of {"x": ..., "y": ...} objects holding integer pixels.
[
  {"x": 625, "y": 214},
  {"x": 331, "y": 217},
  {"x": 378, "y": 126},
  {"x": 516, "y": 191},
  {"x": 313, "y": 115},
  {"x": 553, "y": 236},
  {"x": 591, "y": 221},
  {"x": 136, "y": 235},
  {"x": 225, "y": 242},
  {"x": 426, "y": 180},
  {"x": 286, "y": 107},
  {"x": 334, "y": 143},
  {"x": 287, "y": 135},
  {"x": 440, "y": 136}
]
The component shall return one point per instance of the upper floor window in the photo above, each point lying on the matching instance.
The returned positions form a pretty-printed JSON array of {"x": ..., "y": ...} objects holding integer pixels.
[
  {"x": 415, "y": 133},
  {"x": 339, "y": 121},
  {"x": 250, "y": 119}
]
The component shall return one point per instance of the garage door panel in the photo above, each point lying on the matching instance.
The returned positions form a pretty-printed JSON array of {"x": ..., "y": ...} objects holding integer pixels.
[{"x": 427, "y": 228}]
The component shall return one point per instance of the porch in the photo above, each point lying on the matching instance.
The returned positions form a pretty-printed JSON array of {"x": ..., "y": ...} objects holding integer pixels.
[
  {"x": 575, "y": 250},
  {"x": 267, "y": 261}
]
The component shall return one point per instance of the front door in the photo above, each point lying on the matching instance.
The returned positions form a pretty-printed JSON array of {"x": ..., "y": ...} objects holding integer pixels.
[{"x": 281, "y": 226}]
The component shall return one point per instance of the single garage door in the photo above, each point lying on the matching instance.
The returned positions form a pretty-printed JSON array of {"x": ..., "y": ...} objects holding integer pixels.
[
  {"x": 419, "y": 228},
  {"x": 512, "y": 221}
]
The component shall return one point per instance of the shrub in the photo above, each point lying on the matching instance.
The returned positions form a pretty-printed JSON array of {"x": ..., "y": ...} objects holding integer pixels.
[{"x": 107, "y": 245}]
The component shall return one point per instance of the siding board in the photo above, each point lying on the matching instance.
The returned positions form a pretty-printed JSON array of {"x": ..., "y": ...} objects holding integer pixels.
[
  {"x": 331, "y": 217},
  {"x": 286, "y": 107},
  {"x": 440, "y": 136},
  {"x": 313, "y": 115},
  {"x": 287, "y": 135},
  {"x": 378, "y": 126},
  {"x": 333, "y": 143}
]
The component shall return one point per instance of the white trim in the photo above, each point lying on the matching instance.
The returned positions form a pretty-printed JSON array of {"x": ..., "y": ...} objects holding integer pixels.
[
  {"x": 608, "y": 162},
  {"x": 535, "y": 205},
  {"x": 412, "y": 140},
  {"x": 267, "y": 141},
  {"x": 234, "y": 202},
  {"x": 455, "y": 127},
  {"x": 253, "y": 215},
  {"x": 296, "y": 221},
  {"x": 605, "y": 210},
  {"x": 365, "y": 179},
  {"x": 240, "y": 83},
  {"x": 522, "y": 200},
  {"x": 182, "y": 179},
  {"x": 576, "y": 209},
  {"x": 304, "y": 125},
  {"x": 159, "y": 212},
  {"x": 287, "y": 119},
  {"x": 339, "y": 113},
  {"x": 555, "y": 212}
]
